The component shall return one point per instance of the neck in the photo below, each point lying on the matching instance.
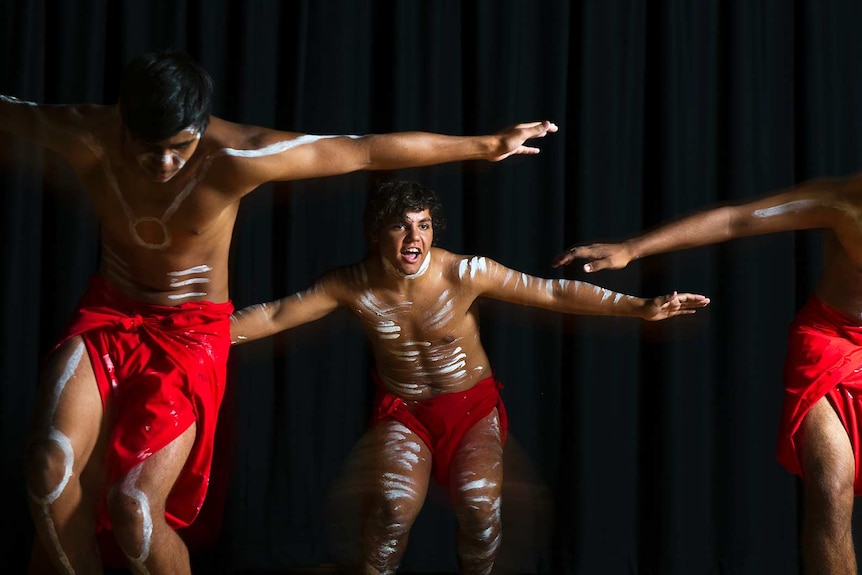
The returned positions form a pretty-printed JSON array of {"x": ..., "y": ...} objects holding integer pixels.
[{"x": 396, "y": 273}]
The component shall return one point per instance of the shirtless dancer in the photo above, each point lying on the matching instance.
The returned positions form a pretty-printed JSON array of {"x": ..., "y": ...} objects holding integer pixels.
[
  {"x": 820, "y": 430},
  {"x": 123, "y": 426},
  {"x": 437, "y": 410}
]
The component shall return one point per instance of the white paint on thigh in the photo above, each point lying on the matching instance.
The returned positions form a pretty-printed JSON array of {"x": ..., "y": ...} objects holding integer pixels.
[{"x": 65, "y": 445}]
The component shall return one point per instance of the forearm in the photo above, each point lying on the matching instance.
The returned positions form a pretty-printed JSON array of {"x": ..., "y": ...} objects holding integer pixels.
[
  {"x": 415, "y": 149},
  {"x": 711, "y": 227},
  {"x": 254, "y": 322},
  {"x": 584, "y": 298}
]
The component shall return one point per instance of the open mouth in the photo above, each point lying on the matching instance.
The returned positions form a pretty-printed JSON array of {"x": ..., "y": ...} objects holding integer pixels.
[{"x": 411, "y": 255}]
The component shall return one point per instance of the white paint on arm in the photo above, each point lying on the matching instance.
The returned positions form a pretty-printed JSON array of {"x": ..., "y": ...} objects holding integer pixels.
[
  {"x": 279, "y": 147},
  {"x": 14, "y": 100},
  {"x": 789, "y": 207}
]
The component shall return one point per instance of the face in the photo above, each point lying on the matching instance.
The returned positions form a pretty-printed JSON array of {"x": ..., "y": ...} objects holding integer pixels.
[
  {"x": 162, "y": 160},
  {"x": 404, "y": 243}
]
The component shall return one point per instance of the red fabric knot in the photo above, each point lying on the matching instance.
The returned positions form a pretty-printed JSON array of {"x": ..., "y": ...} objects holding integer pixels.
[{"x": 132, "y": 323}]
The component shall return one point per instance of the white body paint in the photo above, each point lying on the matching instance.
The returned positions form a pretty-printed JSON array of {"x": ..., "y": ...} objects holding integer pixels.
[
  {"x": 135, "y": 222},
  {"x": 794, "y": 206},
  {"x": 64, "y": 443},
  {"x": 14, "y": 100},
  {"x": 387, "y": 265},
  {"x": 129, "y": 488}
]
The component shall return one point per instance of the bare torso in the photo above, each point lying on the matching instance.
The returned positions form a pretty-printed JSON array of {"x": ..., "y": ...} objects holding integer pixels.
[
  {"x": 840, "y": 282},
  {"x": 423, "y": 331},
  {"x": 163, "y": 243}
]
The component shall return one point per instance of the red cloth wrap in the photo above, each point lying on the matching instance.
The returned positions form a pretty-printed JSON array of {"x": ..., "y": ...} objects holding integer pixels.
[
  {"x": 159, "y": 369},
  {"x": 824, "y": 359},
  {"x": 442, "y": 421}
]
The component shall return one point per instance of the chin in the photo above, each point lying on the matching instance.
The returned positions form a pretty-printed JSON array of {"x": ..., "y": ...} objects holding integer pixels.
[{"x": 165, "y": 178}]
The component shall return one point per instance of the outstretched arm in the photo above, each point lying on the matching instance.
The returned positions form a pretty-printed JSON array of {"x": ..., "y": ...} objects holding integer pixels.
[
  {"x": 490, "y": 279},
  {"x": 265, "y": 319},
  {"x": 815, "y": 204},
  {"x": 54, "y": 127},
  {"x": 279, "y": 156}
]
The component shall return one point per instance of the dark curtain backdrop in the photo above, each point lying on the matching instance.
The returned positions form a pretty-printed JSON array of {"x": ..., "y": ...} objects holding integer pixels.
[{"x": 652, "y": 444}]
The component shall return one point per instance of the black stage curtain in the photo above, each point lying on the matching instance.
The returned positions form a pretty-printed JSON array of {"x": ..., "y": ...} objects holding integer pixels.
[{"x": 641, "y": 448}]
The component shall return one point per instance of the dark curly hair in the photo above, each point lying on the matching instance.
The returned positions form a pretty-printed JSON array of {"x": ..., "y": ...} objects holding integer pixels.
[
  {"x": 162, "y": 93},
  {"x": 391, "y": 199}
]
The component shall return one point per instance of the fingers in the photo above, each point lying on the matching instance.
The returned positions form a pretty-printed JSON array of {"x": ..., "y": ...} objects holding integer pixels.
[
  {"x": 571, "y": 254},
  {"x": 540, "y": 128},
  {"x": 693, "y": 300}
]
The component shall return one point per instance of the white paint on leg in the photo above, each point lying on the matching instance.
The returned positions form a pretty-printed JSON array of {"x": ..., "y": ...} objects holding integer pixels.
[
  {"x": 62, "y": 441},
  {"x": 130, "y": 489}
]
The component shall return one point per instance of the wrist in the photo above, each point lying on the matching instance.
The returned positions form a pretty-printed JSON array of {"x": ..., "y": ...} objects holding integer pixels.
[{"x": 632, "y": 250}]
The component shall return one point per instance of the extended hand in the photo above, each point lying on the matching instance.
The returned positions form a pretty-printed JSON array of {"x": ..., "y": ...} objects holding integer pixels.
[
  {"x": 600, "y": 256},
  {"x": 511, "y": 140},
  {"x": 674, "y": 304}
]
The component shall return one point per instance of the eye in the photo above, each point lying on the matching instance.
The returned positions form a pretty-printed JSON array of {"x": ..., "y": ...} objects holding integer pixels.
[{"x": 425, "y": 226}]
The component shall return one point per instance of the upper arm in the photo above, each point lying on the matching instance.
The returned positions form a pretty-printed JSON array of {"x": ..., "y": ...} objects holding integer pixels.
[
  {"x": 261, "y": 155},
  {"x": 58, "y": 128},
  {"x": 306, "y": 306},
  {"x": 488, "y": 278},
  {"x": 814, "y": 204}
]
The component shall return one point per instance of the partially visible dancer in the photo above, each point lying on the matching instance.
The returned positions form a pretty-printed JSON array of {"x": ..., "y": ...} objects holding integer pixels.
[
  {"x": 124, "y": 422},
  {"x": 438, "y": 411},
  {"x": 820, "y": 432}
]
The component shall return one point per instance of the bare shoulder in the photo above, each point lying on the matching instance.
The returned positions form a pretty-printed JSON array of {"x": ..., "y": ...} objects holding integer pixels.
[
  {"x": 849, "y": 187},
  {"x": 468, "y": 268},
  {"x": 232, "y": 136},
  {"x": 447, "y": 261},
  {"x": 76, "y": 131}
]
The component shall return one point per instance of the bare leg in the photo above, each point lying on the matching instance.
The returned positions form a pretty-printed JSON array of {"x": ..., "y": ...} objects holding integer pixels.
[
  {"x": 402, "y": 470},
  {"x": 828, "y": 468},
  {"x": 63, "y": 464},
  {"x": 137, "y": 507},
  {"x": 477, "y": 480}
]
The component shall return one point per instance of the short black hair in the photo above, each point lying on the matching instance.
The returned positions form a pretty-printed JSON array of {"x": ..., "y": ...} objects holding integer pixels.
[
  {"x": 163, "y": 93},
  {"x": 391, "y": 199}
]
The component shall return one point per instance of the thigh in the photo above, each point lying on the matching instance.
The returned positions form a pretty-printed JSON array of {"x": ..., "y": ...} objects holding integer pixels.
[
  {"x": 68, "y": 407},
  {"x": 156, "y": 475},
  {"x": 401, "y": 466},
  {"x": 477, "y": 468},
  {"x": 825, "y": 452}
]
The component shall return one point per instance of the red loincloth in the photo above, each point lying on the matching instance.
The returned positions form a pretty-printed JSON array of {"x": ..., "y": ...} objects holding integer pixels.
[
  {"x": 442, "y": 421},
  {"x": 824, "y": 359},
  {"x": 159, "y": 369}
]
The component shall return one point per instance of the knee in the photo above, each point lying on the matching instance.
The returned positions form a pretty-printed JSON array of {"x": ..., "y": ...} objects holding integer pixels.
[
  {"x": 394, "y": 513},
  {"x": 131, "y": 520},
  {"x": 49, "y": 462},
  {"x": 832, "y": 489},
  {"x": 479, "y": 516}
]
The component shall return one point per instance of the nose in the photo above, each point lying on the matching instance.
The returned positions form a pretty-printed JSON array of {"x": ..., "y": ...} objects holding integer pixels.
[{"x": 166, "y": 160}]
